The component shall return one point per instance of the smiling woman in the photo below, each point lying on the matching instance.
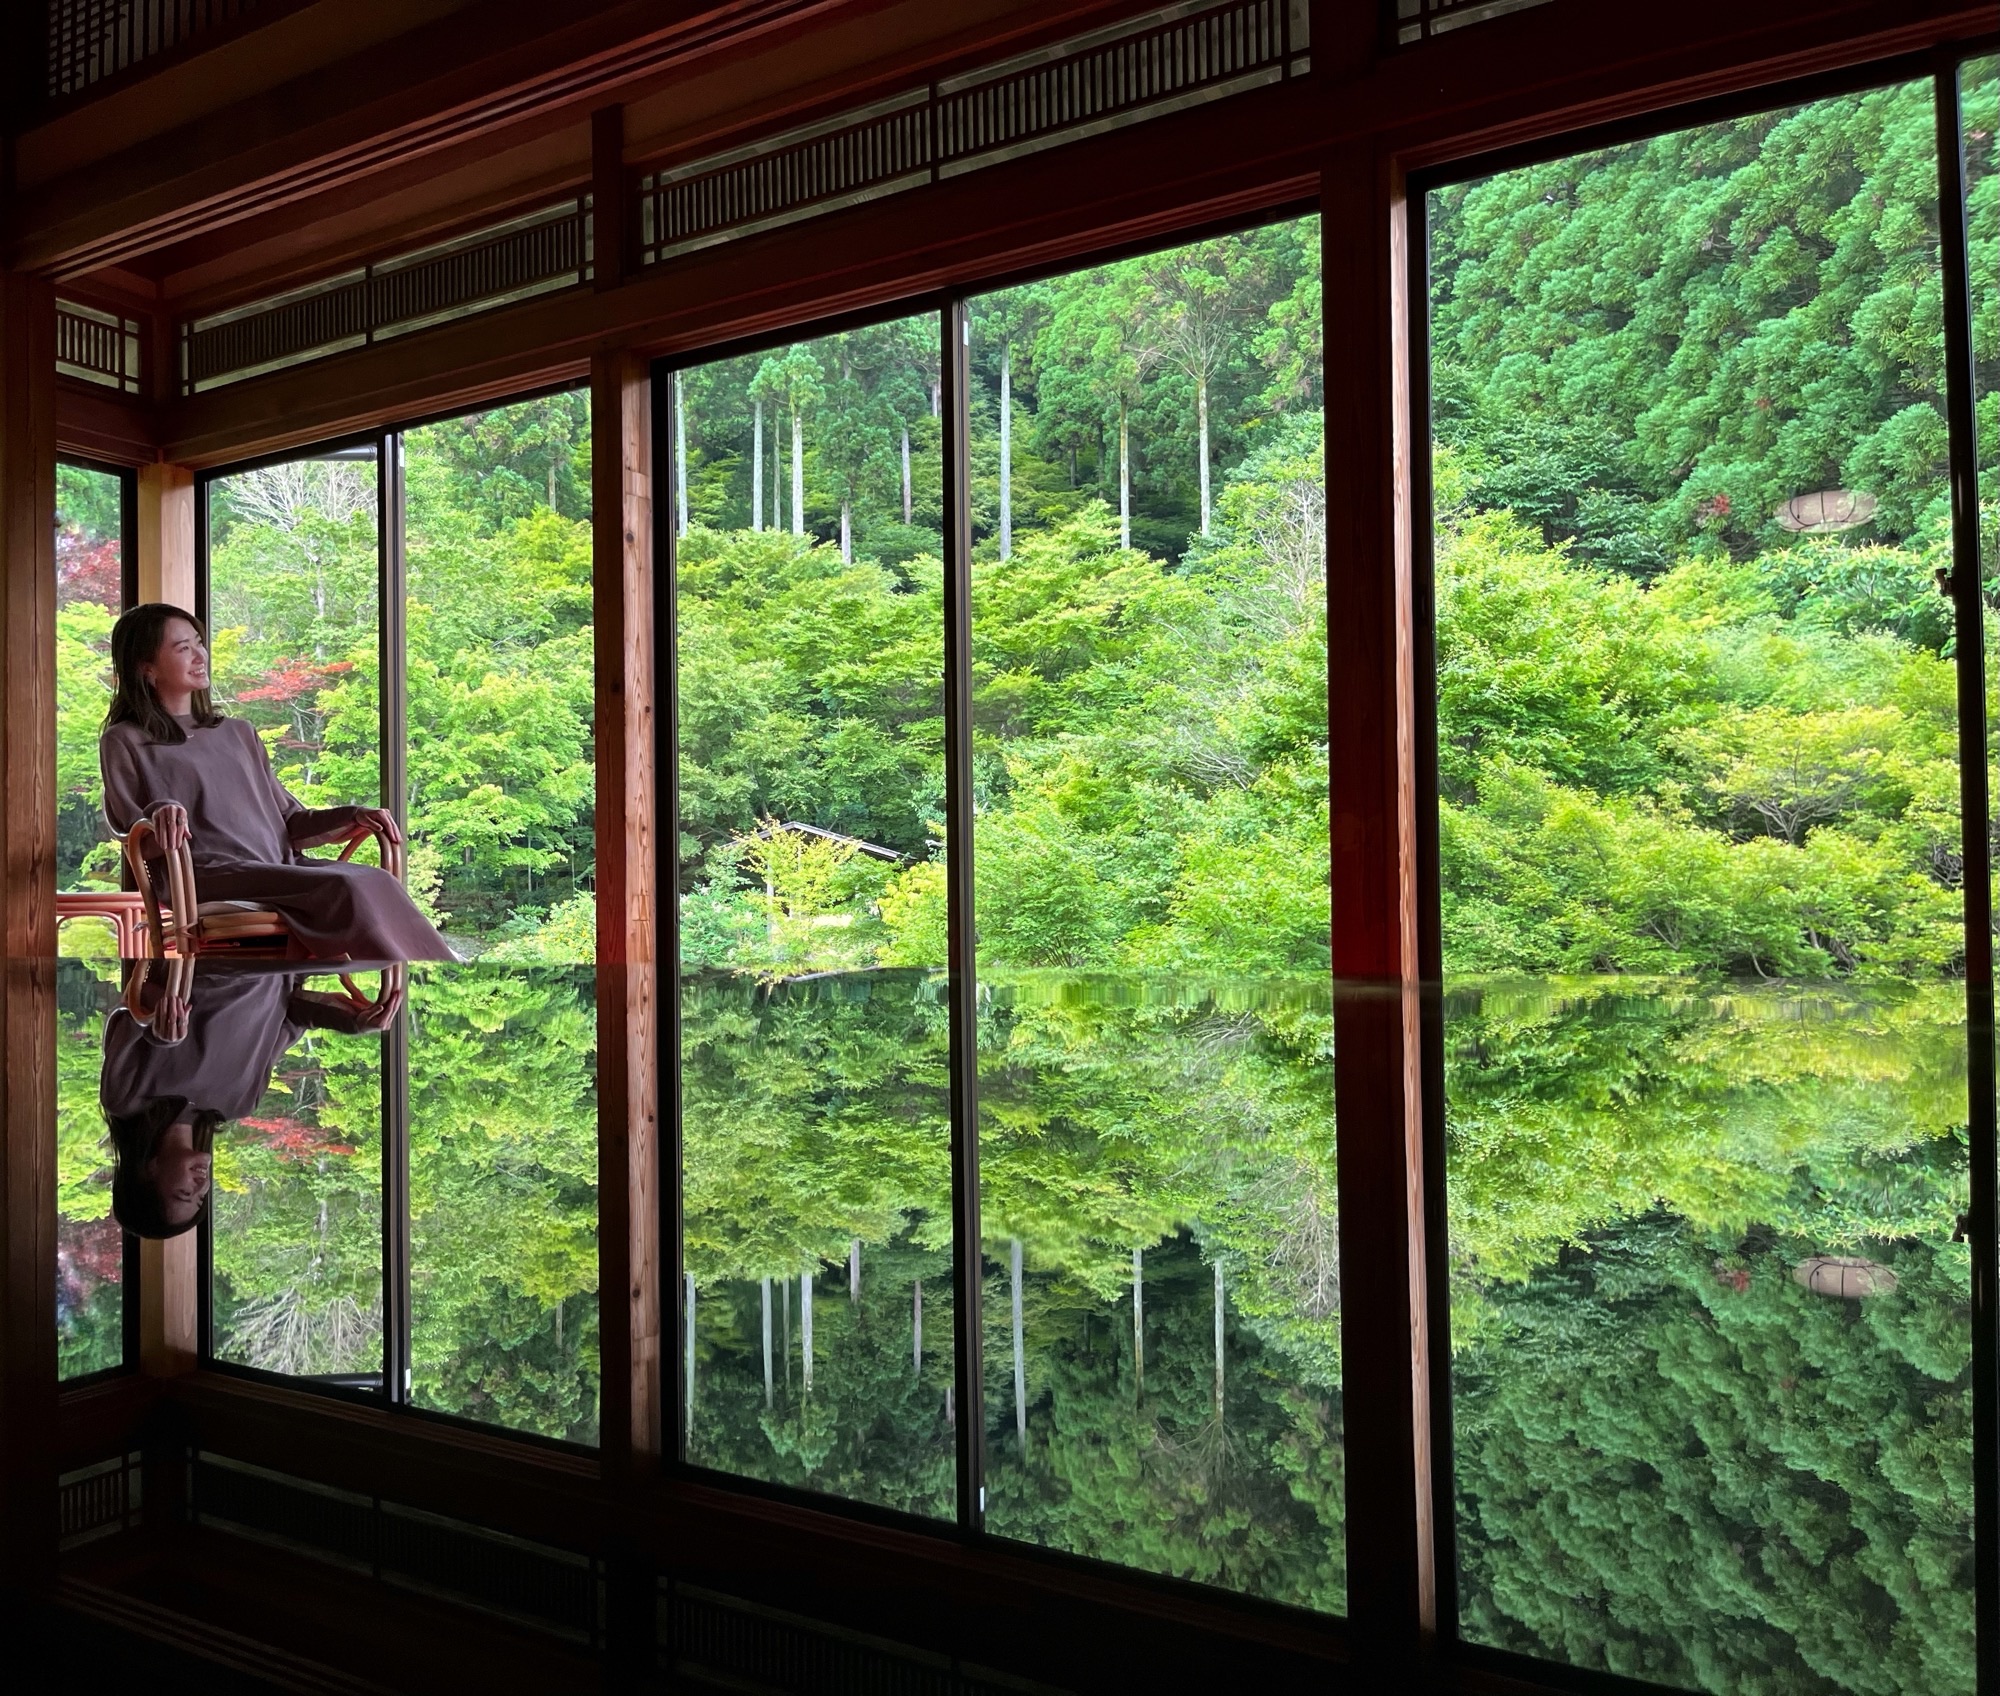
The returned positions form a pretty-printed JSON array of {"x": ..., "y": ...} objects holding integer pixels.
[{"x": 205, "y": 780}]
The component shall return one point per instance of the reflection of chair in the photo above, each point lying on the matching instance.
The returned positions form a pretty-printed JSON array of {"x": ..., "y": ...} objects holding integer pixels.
[
  {"x": 178, "y": 979},
  {"x": 188, "y": 925}
]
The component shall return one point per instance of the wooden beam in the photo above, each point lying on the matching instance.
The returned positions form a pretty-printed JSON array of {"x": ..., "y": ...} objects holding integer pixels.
[
  {"x": 348, "y": 120},
  {"x": 166, "y": 534},
  {"x": 98, "y": 424},
  {"x": 621, "y": 399},
  {"x": 1133, "y": 185},
  {"x": 1392, "y": 1580},
  {"x": 27, "y": 925},
  {"x": 611, "y": 204}
]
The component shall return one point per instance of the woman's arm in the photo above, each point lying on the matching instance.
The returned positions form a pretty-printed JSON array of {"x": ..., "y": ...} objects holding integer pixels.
[
  {"x": 127, "y": 793},
  {"x": 125, "y": 798},
  {"x": 305, "y": 827}
]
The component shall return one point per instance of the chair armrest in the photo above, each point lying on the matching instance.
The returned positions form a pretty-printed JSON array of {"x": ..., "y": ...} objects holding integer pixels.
[
  {"x": 180, "y": 887},
  {"x": 391, "y": 851}
]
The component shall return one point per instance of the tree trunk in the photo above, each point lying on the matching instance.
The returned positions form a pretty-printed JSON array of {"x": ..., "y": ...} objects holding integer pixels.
[
  {"x": 777, "y": 482},
  {"x": 766, "y": 1296},
  {"x": 854, "y": 1269},
  {"x": 680, "y": 461},
  {"x": 806, "y": 1326},
  {"x": 785, "y": 1302},
  {"x": 1139, "y": 1318},
  {"x": 757, "y": 465},
  {"x": 798, "y": 475},
  {"x": 846, "y": 532},
  {"x": 1020, "y": 1359},
  {"x": 937, "y": 399},
  {"x": 689, "y": 1426},
  {"x": 906, "y": 474},
  {"x": 1218, "y": 1341},
  {"x": 1201, "y": 417},
  {"x": 917, "y": 1329},
  {"x": 1006, "y": 449},
  {"x": 1124, "y": 477}
]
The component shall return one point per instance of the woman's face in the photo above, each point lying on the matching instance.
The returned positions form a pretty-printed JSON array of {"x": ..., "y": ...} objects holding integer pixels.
[
  {"x": 179, "y": 1173},
  {"x": 181, "y": 665}
]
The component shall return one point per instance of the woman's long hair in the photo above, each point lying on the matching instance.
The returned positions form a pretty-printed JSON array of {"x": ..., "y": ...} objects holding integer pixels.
[
  {"x": 135, "y": 639},
  {"x": 135, "y": 1139}
]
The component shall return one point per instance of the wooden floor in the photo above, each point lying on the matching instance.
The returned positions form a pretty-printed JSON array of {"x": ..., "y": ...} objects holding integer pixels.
[{"x": 206, "y": 1611}]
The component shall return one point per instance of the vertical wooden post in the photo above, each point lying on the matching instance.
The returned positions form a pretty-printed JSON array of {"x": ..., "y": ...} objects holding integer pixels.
[
  {"x": 27, "y": 926},
  {"x": 1392, "y": 1557},
  {"x": 168, "y": 1271},
  {"x": 610, "y": 207},
  {"x": 166, "y": 535},
  {"x": 627, "y": 982},
  {"x": 168, "y": 1275}
]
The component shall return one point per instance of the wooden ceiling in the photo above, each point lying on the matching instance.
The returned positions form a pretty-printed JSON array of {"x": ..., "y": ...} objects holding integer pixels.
[
  {"x": 322, "y": 133},
  {"x": 348, "y": 127}
]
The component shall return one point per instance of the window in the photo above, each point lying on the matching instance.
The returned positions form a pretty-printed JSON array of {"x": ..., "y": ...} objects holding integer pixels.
[
  {"x": 411, "y": 1209},
  {"x": 818, "y": 1312},
  {"x": 1156, "y": 1180},
  {"x": 1151, "y": 1031},
  {"x": 1700, "y": 879},
  {"x": 93, "y": 510}
]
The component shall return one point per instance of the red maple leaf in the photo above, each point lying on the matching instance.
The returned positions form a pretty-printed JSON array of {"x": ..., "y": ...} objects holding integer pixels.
[{"x": 290, "y": 680}]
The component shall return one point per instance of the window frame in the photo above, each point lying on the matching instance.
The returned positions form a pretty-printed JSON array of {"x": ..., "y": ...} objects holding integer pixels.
[
  {"x": 392, "y": 1384},
  {"x": 1942, "y": 69},
  {"x": 128, "y": 594},
  {"x": 952, "y": 308}
]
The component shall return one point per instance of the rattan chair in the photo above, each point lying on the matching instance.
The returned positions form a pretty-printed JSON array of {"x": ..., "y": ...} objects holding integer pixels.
[{"x": 186, "y": 925}]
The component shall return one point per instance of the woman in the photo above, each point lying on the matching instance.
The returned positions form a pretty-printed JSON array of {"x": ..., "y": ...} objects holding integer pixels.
[
  {"x": 193, "y": 1059},
  {"x": 205, "y": 780}
]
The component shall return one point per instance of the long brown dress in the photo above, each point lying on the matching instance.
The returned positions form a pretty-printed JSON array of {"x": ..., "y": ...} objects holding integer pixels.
[
  {"x": 240, "y": 1025},
  {"x": 243, "y": 827}
]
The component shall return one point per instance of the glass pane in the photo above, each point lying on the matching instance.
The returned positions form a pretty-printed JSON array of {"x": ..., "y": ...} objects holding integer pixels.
[
  {"x": 503, "y": 1196},
  {"x": 816, "y": 1145},
  {"x": 293, "y": 1076},
  {"x": 500, "y": 678},
  {"x": 1162, "y": 1303},
  {"x": 293, "y": 619},
  {"x": 1704, "y": 1016},
  {"x": 89, "y": 573},
  {"x": 90, "y": 1248}
]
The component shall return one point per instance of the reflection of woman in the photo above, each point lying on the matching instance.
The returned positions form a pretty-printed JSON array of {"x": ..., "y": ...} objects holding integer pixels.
[
  {"x": 205, "y": 780},
  {"x": 185, "y": 1063}
]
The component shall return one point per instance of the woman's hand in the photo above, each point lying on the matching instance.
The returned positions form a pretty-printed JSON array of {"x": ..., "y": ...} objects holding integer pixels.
[
  {"x": 170, "y": 825},
  {"x": 378, "y": 819},
  {"x": 170, "y": 1018},
  {"x": 380, "y": 1015}
]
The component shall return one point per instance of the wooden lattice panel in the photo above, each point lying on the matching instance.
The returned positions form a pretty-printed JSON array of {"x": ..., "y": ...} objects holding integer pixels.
[
  {"x": 97, "y": 346},
  {"x": 545, "y": 250},
  {"x": 1416, "y": 20},
  {"x": 89, "y": 40},
  {"x": 1061, "y": 94}
]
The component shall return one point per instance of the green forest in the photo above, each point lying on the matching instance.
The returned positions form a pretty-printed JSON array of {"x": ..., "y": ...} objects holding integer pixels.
[
  {"x": 497, "y": 658},
  {"x": 1700, "y": 883}
]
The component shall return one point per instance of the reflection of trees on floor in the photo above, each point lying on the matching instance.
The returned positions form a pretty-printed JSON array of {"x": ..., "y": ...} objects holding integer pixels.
[
  {"x": 1675, "y": 1458},
  {"x": 503, "y": 1204}
]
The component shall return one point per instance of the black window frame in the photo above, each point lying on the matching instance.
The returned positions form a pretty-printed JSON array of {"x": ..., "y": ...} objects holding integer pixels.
[{"x": 128, "y": 595}]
